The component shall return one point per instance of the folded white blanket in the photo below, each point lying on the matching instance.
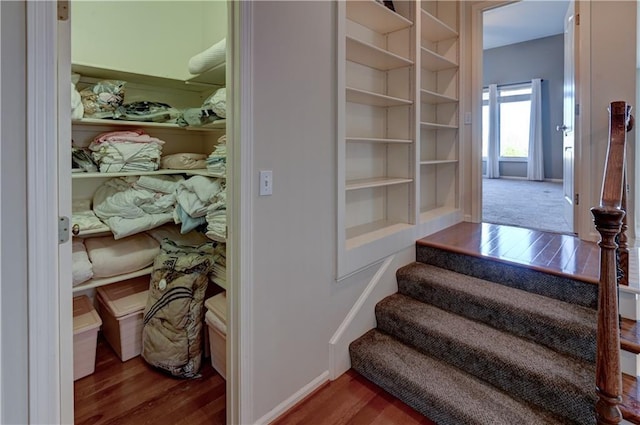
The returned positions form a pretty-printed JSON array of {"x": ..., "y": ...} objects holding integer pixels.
[
  {"x": 184, "y": 161},
  {"x": 209, "y": 58},
  {"x": 195, "y": 194},
  {"x": 82, "y": 268}
]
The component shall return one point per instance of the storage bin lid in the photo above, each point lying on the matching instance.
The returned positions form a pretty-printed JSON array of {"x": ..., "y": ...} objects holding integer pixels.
[
  {"x": 218, "y": 306},
  {"x": 126, "y": 297},
  {"x": 85, "y": 317},
  {"x": 213, "y": 321}
]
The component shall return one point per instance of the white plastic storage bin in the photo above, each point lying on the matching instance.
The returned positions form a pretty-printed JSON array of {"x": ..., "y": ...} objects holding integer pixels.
[
  {"x": 121, "y": 306},
  {"x": 86, "y": 324},
  {"x": 216, "y": 319}
]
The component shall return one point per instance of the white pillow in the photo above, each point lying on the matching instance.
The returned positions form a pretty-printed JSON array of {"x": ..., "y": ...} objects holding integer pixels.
[
  {"x": 112, "y": 257},
  {"x": 82, "y": 269}
]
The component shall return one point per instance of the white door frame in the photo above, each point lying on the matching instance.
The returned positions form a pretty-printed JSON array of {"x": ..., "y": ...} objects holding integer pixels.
[
  {"x": 50, "y": 389},
  {"x": 582, "y": 225}
]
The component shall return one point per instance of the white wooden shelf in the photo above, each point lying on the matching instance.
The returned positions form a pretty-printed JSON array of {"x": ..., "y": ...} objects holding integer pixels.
[
  {"x": 365, "y": 233},
  {"x": 438, "y": 161},
  {"x": 216, "y": 76},
  {"x": 376, "y": 16},
  {"x": 95, "y": 283},
  {"x": 197, "y": 172},
  {"x": 375, "y": 182},
  {"x": 375, "y": 140},
  {"x": 433, "y": 29},
  {"x": 436, "y": 126},
  {"x": 431, "y": 213},
  {"x": 428, "y": 96},
  {"x": 374, "y": 99},
  {"x": 374, "y": 57},
  {"x": 433, "y": 61},
  {"x": 219, "y": 124}
]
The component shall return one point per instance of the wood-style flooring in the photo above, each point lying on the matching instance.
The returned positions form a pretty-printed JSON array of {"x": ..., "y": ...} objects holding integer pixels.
[
  {"x": 549, "y": 252},
  {"x": 132, "y": 393}
]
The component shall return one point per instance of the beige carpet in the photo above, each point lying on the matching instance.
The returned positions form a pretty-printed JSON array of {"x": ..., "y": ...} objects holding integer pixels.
[{"x": 524, "y": 203}]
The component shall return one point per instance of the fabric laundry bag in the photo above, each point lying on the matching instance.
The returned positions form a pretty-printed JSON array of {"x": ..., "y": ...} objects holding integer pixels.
[{"x": 173, "y": 317}]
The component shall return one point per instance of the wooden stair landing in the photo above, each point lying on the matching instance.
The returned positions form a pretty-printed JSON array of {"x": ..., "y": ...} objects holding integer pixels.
[{"x": 554, "y": 253}]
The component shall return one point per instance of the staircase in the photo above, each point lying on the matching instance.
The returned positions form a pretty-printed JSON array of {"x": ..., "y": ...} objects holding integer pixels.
[{"x": 484, "y": 343}]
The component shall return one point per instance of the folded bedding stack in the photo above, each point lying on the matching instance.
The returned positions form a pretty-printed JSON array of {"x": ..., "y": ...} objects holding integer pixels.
[
  {"x": 217, "y": 217},
  {"x": 135, "y": 204},
  {"x": 219, "y": 276},
  {"x": 84, "y": 217},
  {"x": 184, "y": 161},
  {"x": 217, "y": 161},
  {"x": 194, "y": 196},
  {"x": 82, "y": 270},
  {"x": 130, "y": 150}
]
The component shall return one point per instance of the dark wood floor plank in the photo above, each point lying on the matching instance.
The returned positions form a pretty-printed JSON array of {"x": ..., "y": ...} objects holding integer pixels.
[
  {"x": 133, "y": 393},
  {"x": 352, "y": 400}
]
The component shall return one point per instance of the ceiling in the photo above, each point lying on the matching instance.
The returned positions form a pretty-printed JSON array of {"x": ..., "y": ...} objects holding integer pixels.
[{"x": 523, "y": 21}]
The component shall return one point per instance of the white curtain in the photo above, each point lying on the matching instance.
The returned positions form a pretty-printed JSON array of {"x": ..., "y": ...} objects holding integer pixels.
[
  {"x": 493, "y": 165},
  {"x": 535, "y": 166}
]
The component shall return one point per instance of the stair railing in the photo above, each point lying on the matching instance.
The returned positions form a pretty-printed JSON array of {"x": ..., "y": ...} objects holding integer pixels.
[{"x": 609, "y": 219}]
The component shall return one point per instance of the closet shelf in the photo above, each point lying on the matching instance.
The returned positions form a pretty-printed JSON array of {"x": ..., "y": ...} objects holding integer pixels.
[
  {"x": 436, "y": 126},
  {"x": 95, "y": 283},
  {"x": 428, "y": 96},
  {"x": 433, "y": 61},
  {"x": 197, "y": 172},
  {"x": 375, "y": 182},
  {"x": 374, "y": 57},
  {"x": 439, "y": 161},
  {"x": 375, "y": 140},
  {"x": 216, "y": 125},
  {"x": 99, "y": 73},
  {"x": 360, "y": 235},
  {"x": 216, "y": 76},
  {"x": 433, "y": 29},
  {"x": 376, "y": 16},
  {"x": 374, "y": 99}
]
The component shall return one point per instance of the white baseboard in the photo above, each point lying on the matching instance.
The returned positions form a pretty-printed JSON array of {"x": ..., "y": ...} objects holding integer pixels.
[
  {"x": 289, "y": 403},
  {"x": 629, "y": 363},
  {"x": 628, "y": 304}
]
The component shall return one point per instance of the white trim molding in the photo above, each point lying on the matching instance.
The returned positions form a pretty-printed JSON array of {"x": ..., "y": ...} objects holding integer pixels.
[
  {"x": 42, "y": 208},
  {"x": 289, "y": 403},
  {"x": 240, "y": 186}
]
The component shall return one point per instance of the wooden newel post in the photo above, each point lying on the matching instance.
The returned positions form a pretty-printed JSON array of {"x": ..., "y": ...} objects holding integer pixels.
[{"x": 608, "y": 376}]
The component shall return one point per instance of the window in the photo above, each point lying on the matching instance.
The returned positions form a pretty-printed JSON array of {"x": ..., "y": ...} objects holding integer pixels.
[{"x": 514, "y": 109}]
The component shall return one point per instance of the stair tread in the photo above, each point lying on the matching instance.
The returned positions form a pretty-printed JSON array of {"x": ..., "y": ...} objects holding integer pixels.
[
  {"x": 630, "y": 336},
  {"x": 407, "y": 313},
  {"x": 532, "y": 316},
  {"x": 525, "y": 369},
  {"x": 436, "y": 389}
]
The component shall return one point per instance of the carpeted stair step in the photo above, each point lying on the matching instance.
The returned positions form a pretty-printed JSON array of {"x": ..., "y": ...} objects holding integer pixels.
[
  {"x": 436, "y": 389},
  {"x": 517, "y": 276},
  {"x": 564, "y": 327},
  {"x": 553, "y": 381}
]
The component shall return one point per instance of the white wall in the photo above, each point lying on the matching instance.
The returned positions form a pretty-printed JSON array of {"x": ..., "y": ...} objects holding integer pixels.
[
  {"x": 297, "y": 304},
  {"x": 161, "y": 46},
  {"x": 613, "y": 77},
  {"x": 13, "y": 226}
]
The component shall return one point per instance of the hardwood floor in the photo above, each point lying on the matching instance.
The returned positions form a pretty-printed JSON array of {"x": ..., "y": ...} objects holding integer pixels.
[
  {"x": 132, "y": 393},
  {"x": 549, "y": 252},
  {"x": 352, "y": 400}
]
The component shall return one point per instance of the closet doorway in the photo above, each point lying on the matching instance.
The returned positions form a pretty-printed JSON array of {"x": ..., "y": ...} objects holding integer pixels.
[
  {"x": 156, "y": 87},
  {"x": 517, "y": 49}
]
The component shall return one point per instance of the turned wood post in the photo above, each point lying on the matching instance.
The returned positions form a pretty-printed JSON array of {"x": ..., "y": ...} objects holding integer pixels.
[
  {"x": 608, "y": 218},
  {"x": 608, "y": 376}
]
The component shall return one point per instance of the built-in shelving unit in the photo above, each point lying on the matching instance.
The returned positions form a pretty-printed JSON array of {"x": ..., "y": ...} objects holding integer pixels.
[
  {"x": 202, "y": 139},
  {"x": 398, "y": 126}
]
